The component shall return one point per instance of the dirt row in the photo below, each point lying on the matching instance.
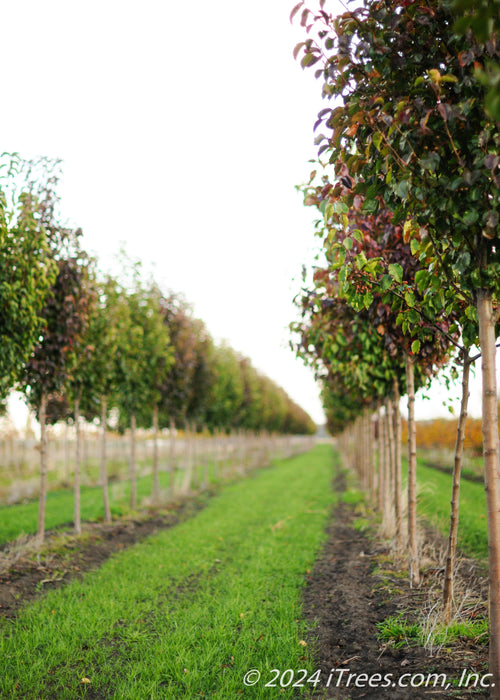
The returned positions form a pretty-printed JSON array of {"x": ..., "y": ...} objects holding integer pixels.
[
  {"x": 26, "y": 574},
  {"x": 355, "y": 585}
]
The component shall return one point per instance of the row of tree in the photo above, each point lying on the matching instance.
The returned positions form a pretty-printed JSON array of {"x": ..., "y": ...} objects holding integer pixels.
[
  {"x": 81, "y": 343},
  {"x": 407, "y": 189}
]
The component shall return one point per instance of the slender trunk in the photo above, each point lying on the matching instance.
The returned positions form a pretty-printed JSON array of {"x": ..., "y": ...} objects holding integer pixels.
[
  {"x": 172, "y": 457},
  {"x": 206, "y": 443},
  {"x": 188, "y": 458},
  {"x": 76, "y": 484},
  {"x": 132, "y": 464},
  {"x": 374, "y": 457},
  {"x": 43, "y": 469},
  {"x": 387, "y": 516},
  {"x": 455, "y": 494},
  {"x": 196, "y": 476},
  {"x": 487, "y": 341},
  {"x": 67, "y": 459},
  {"x": 381, "y": 460},
  {"x": 104, "y": 465},
  {"x": 156, "y": 474},
  {"x": 217, "y": 452},
  {"x": 369, "y": 440},
  {"x": 413, "y": 563},
  {"x": 392, "y": 458},
  {"x": 397, "y": 464}
]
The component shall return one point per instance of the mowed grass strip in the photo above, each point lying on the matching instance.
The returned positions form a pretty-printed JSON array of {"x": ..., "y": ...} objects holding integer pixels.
[
  {"x": 188, "y": 612},
  {"x": 21, "y": 519}
]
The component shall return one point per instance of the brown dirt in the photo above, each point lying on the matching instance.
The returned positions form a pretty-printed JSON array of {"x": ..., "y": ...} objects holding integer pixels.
[
  {"x": 345, "y": 598},
  {"x": 25, "y": 573}
]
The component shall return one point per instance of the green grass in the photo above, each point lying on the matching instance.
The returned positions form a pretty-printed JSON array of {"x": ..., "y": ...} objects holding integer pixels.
[
  {"x": 434, "y": 496},
  {"x": 21, "y": 519},
  {"x": 399, "y": 632},
  {"x": 189, "y": 611}
]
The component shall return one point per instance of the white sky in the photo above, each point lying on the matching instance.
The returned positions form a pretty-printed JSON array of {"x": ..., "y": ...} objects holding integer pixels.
[{"x": 183, "y": 128}]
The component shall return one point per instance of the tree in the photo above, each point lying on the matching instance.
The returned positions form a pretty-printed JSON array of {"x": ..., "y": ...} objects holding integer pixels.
[
  {"x": 27, "y": 269},
  {"x": 411, "y": 128},
  {"x": 226, "y": 391},
  {"x": 80, "y": 378},
  {"x": 97, "y": 372},
  {"x": 143, "y": 356},
  {"x": 49, "y": 367}
]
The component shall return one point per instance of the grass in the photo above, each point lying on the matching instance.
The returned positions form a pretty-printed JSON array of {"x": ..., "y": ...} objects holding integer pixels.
[
  {"x": 21, "y": 519},
  {"x": 434, "y": 496},
  {"x": 400, "y": 632},
  {"x": 188, "y": 612}
]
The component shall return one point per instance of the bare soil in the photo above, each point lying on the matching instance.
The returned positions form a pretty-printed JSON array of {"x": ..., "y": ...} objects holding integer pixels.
[{"x": 345, "y": 598}]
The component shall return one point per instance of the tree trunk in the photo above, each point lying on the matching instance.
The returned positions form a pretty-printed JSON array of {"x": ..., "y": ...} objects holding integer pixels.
[
  {"x": 196, "y": 476},
  {"x": 487, "y": 341},
  {"x": 188, "y": 458},
  {"x": 206, "y": 457},
  {"x": 413, "y": 563},
  {"x": 43, "y": 469},
  {"x": 381, "y": 460},
  {"x": 374, "y": 457},
  {"x": 67, "y": 459},
  {"x": 104, "y": 466},
  {"x": 397, "y": 465},
  {"x": 156, "y": 474},
  {"x": 172, "y": 457},
  {"x": 132, "y": 467},
  {"x": 391, "y": 447},
  {"x": 76, "y": 480},
  {"x": 387, "y": 513},
  {"x": 455, "y": 494}
]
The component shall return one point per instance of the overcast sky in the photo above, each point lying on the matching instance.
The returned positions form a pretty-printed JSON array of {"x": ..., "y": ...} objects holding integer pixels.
[{"x": 184, "y": 128}]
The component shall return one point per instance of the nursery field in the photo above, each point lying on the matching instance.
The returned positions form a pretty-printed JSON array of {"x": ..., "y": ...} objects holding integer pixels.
[
  {"x": 187, "y": 612},
  {"x": 270, "y": 588}
]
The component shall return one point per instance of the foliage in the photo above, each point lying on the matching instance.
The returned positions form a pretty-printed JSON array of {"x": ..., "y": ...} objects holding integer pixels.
[
  {"x": 412, "y": 133},
  {"x": 27, "y": 270},
  {"x": 482, "y": 18},
  {"x": 64, "y": 317}
]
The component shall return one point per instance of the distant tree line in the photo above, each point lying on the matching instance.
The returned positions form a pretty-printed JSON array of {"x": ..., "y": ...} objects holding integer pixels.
[{"x": 78, "y": 342}]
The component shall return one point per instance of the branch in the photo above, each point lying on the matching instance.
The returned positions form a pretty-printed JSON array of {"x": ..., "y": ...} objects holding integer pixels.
[
  {"x": 445, "y": 269},
  {"x": 419, "y": 311}
]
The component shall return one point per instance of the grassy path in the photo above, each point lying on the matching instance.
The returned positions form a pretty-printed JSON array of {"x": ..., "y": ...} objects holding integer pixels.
[{"x": 188, "y": 612}]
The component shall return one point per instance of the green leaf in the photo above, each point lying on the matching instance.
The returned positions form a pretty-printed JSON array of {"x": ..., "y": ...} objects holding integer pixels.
[
  {"x": 396, "y": 272},
  {"x": 385, "y": 282},
  {"x": 410, "y": 299},
  {"x": 403, "y": 189},
  {"x": 377, "y": 140},
  {"x": 415, "y": 347}
]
